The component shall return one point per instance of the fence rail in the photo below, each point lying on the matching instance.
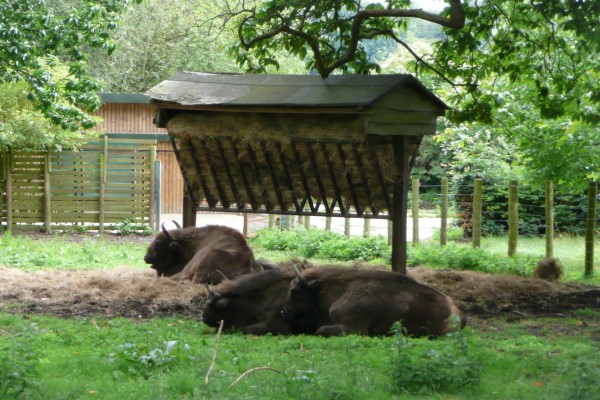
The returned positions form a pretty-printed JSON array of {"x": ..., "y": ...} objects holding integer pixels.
[{"x": 104, "y": 182}]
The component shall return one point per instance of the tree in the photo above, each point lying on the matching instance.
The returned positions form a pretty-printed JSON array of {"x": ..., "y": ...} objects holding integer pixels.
[
  {"x": 35, "y": 39},
  {"x": 528, "y": 70}
]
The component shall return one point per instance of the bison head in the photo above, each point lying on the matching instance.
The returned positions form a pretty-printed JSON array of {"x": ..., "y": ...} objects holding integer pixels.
[
  {"x": 234, "y": 312},
  {"x": 165, "y": 253},
  {"x": 301, "y": 306}
]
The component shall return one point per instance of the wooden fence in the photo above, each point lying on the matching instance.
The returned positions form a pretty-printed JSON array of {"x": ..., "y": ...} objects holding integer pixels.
[{"x": 101, "y": 184}]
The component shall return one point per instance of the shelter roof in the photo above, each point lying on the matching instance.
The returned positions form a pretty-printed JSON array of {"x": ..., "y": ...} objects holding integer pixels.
[{"x": 191, "y": 89}]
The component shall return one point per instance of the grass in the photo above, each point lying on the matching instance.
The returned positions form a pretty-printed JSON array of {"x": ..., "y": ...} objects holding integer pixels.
[
  {"x": 29, "y": 254},
  {"x": 51, "y": 358}
]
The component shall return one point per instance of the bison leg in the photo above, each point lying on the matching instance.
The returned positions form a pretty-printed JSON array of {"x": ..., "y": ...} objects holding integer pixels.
[
  {"x": 263, "y": 328},
  {"x": 340, "y": 330}
]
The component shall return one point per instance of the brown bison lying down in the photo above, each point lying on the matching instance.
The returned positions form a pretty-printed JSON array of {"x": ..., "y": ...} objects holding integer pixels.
[
  {"x": 331, "y": 301},
  {"x": 203, "y": 255}
]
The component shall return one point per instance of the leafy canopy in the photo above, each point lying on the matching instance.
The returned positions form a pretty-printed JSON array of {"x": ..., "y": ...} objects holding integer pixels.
[
  {"x": 35, "y": 38},
  {"x": 551, "y": 47}
]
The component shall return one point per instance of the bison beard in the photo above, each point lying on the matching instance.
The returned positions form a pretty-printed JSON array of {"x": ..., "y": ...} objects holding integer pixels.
[
  {"x": 330, "y": 301},
  {"x": 203, "y": 255}
]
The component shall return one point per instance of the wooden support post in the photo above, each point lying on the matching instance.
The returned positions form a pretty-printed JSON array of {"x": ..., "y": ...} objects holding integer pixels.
[
  {"x": 288, "y": 222},
  {"x": 9, "y": 192},
  {"x": 347, "y": 227},
  {"x": 400, "y": 203},
  {"x": 415, "y": 211},
  {"x": 513, "y": 217},
  {"x": 476, "y": 218},
  {"x": 47, "y": 194},
  {"x": 271, "y": 221},
  {"x": 327, "y": 223},
  {"x": 444, "y": 213},
  {"x": 102, "y": 189},
  {"x": 590, "y": 228},
  {"x": 189, "y": 209},
  {"x": 152, "y": 216},
  {"x": 367, "y": 228},
  {"x": 549, "y": 218},
  {"x": 307, "y": 221},
  {"x": 300, "y": 220},
  {"x": 245, "y": 227}
]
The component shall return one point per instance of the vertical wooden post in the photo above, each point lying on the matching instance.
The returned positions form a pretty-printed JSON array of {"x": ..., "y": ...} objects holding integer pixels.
[
  {"x": 307, "y": 221},
  {"x": 327, "y": 223},
  {"x": 549, "y": 189},
  {"x": 271, "y": 221},
  {"x": 590, "y": 228},
  {"x": 347, "y": 227},
  {"x": 477, "y": 206},
  {"x": 157, "y": 191},
  {"x": 400, "y": 203},
  {"x": 152, "y": 186},
  {"x": 245, "y": 227},
  {"x": 390, "y": 231},
  {"x": 102, "y": 189},
  {"x": 415, "y": 211},
  {"x": 47, "y": 193},
  {"x": 189, "y": 208},
  {"x": 367, "y": 227},
  {"x": 513, "y": 217},
  {"x": 9, "y": 192},
  {"x": 444, "y": 213}
]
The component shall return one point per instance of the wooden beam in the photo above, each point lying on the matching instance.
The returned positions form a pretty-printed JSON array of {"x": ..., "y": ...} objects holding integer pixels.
[
  {"x": 274, "y": 179},
  {"x": 336, "y": 188},
  {"x": 399, "y": 209},
  {"x": 303, "y": 178},
  {"x": 288, "y": 176},
  {"x": 268, "y": 204},
  {"x": 232, "y": 183},
  {"x": 213, "y": 171},
  {"x": 342, "y": 155},
  {"x": 249, "y": 192},
  {"x": 313, "y": 160}
]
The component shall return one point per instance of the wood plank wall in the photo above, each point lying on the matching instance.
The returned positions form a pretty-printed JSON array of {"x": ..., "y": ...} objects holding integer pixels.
[{"x": 137, "y": 118}]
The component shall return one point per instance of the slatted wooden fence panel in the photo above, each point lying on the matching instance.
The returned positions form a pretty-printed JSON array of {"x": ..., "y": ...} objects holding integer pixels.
[{"x": 99, "y": 185}]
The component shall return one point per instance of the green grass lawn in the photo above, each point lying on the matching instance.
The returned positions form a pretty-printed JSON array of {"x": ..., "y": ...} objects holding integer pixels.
[{"x": 80, "y": 358}]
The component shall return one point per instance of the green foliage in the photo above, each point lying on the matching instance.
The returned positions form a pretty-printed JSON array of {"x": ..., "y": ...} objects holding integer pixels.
[
  {"x": 85, "y": 357},
  {"x": 128, "y": 226},
  {"x": 322, "y": 244},
  {"x": 57, "y": 252},
  {"x": 19, "y": 374},
  {"x": 34, "y": 36},
  {"x": 445, "y": 366},
  {"x": 460, "y": 257},
  {"x": 25, "y": 128}
]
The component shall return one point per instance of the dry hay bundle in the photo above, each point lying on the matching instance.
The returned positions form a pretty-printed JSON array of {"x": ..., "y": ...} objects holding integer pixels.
[{"x": 260, "y": 159}]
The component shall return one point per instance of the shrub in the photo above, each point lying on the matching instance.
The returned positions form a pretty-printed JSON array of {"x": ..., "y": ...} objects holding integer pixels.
[{"x": 446, "y": 365}]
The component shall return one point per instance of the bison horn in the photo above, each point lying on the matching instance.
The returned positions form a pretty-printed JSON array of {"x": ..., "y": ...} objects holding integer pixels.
[
  {"x": 166, "y": 232},
  {"x": 176, "y": 224},
  {"x": 225, "y": 278},
  {"x": 297, "y": 272}
]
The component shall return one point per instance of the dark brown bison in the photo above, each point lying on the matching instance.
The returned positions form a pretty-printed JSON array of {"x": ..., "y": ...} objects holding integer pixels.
[
  {"x": 203, "y": 255},
  {"x": 251, "y": 303},
  {"x": 330, "y": 301}
]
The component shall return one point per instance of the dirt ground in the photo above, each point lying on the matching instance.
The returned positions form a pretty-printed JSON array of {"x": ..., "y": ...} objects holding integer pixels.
[{"x": 136, "y": 293}]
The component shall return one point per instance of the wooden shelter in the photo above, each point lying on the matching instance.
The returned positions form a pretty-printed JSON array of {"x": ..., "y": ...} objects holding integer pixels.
[{"x": 298, "y": 144}]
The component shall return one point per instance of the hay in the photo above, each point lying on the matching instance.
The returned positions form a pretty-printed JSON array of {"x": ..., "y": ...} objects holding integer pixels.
[{"x": 260, "y": 160}]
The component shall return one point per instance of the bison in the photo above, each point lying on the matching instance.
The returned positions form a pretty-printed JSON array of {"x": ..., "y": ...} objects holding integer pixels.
[
  {"x": 203, "y": 255},
  {"x": 330, "y": 301},
  {"x": 251, "y": 303}
]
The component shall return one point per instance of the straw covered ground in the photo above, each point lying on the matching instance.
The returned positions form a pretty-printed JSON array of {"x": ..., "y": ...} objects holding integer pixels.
[{"x": 138, "y": 293}]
